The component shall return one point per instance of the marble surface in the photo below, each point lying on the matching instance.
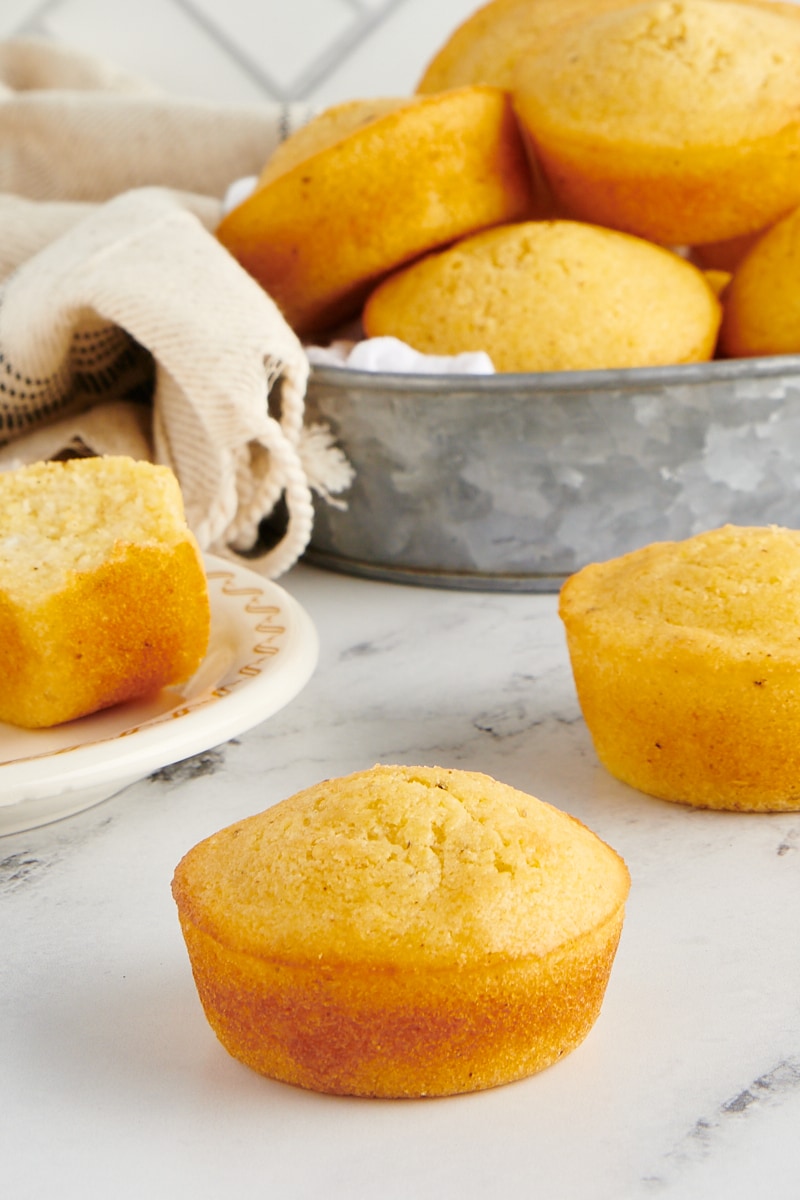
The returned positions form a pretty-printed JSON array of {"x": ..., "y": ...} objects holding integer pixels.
[{"x": 112, "y": 1084}]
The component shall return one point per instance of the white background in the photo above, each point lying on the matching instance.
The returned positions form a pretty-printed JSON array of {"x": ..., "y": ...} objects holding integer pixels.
[{"x": 249, "y": 50}]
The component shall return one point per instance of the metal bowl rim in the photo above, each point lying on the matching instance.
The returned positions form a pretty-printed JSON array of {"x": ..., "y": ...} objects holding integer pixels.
[{"x": 625, "y": 379}]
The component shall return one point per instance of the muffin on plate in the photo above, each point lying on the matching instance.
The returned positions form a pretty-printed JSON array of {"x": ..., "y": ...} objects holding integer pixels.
[
  {"x": 103, "y": 592},
  {"x": 404, "y": 931},
  {"x": 686, "y": 659}
]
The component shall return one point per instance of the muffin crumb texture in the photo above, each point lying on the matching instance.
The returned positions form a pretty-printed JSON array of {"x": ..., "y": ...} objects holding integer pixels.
[{"x": 103, "y": 593}]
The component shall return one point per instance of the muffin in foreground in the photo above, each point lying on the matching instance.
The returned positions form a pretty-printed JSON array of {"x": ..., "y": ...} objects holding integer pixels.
[
  {"x": 404, "y": 931},
  {"x": 686, "y": 659},
  {"x": 103, "y": 592}
]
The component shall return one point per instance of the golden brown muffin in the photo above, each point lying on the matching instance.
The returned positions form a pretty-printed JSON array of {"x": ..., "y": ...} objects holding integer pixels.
[
  {"x": 405, "y": 931},
  {"x": 686, "y": 660},
  {"x": 103, "y": 595},
  {"x": 678, "y": 121},
  {"x": 488, "y": 45},
  {"x": 318, "y": 235},
  {"x": 326, "y": 129},
  {"x": 761, "y": 311},
  {"x": 551, "y": 296}
]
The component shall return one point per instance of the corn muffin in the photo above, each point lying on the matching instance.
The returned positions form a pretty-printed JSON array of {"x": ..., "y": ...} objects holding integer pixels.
[
  {"x": 488, "y": 45},
  {"x": 678, "y": 121},
  {"x": 686, "y": 658},
  {"x": 404, "y": 931},
  {"x": 103, "y": 594},
  {"x": 326, "y": 129},
  {"x": 761, "y": 312},
  {"x": 320, "y": 233},
  {"x": 551, "y": 296}
]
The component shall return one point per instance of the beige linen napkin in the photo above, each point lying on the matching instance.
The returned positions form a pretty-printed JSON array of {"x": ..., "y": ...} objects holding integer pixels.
[
  {"x": 75, "y": 128},
  {"x": 125, "y": 327}
]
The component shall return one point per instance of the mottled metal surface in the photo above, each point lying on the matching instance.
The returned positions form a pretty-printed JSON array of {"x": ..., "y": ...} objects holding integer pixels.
[{"x": 512, "y": 482}]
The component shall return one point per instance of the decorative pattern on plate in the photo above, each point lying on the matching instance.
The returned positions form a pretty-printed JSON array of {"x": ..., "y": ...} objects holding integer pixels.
[
  {"x": 267, "y": 627},
  {"x": 262, "y": 651}
]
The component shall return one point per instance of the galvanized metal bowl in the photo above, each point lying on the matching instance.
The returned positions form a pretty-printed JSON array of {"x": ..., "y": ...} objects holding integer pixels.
[{"x": 513, "y": 482}]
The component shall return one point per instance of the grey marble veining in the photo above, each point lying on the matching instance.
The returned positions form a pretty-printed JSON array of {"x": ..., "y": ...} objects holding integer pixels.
[{"x": 688, "y": 1086}]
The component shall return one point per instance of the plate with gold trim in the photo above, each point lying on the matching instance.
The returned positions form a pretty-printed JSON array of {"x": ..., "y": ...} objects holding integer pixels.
[{"x": 262, "y": 651}]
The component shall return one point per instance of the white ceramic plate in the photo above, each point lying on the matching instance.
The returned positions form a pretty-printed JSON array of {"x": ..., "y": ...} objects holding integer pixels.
[{"x": 262, "y": 651}]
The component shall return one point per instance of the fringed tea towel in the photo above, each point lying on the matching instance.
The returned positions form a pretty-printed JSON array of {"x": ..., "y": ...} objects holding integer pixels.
[{"x": 125, "y": 327}]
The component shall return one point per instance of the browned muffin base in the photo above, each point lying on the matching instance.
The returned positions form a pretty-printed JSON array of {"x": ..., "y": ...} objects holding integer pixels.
[{"x": 403, "y": 1033}]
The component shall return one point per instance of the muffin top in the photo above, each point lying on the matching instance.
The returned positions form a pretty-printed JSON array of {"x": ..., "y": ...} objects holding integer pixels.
[
  {"x": 733, "y": 591},
  {"x": 401, "y": 866},
  {"x": 551, "y": 296},
  {"x": 668, "y": 73},
  {"x": 488, "y": 45},
  {"x": 324, "y": 130}
]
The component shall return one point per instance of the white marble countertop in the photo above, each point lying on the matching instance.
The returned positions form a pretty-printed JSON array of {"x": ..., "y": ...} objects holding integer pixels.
[{"x": 113, "y": 1085}]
